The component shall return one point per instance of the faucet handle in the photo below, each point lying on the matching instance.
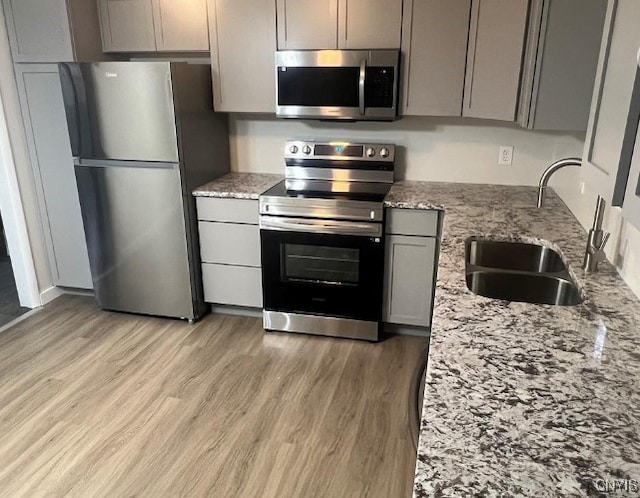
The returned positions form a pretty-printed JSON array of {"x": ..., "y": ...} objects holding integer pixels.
[{"x": 605, "y": 239}]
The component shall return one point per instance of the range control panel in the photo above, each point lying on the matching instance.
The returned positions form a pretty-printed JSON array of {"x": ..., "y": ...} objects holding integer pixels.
[{"x": 335, "y": 150}]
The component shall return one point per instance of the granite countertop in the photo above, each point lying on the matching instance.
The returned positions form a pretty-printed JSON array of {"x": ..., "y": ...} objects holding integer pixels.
[
  {"x": 238, "y": 186},
  {"x": 523, "y": 399}
]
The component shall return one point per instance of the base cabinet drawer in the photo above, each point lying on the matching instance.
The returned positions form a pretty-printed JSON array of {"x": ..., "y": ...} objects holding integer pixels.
[
  {"x": 232, "y": 285},
  {"x": 229, "y": 243},
  {"x": 409, "y": 280},
  {"x": 228, "y": 210},
  {"x": 418, "y": 222}
]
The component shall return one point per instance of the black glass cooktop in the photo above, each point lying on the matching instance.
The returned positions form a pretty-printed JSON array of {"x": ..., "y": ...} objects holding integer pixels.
[{"x": 331, "y": 191}]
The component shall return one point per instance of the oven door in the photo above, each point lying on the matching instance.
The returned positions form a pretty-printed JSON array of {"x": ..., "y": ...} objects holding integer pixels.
[
  {"x": 337, "y": 84},
  {"x": 318, "y": 272}
]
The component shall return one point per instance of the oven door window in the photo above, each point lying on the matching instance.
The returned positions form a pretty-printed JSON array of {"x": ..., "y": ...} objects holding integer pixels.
[
  {"x": 320, "y": 264},
  {"x": 318, "y": 86},
  {"x": 333, "y": 275}
]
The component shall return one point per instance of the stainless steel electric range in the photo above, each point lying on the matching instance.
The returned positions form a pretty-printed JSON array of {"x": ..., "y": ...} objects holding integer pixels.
[{"x": 322, "y": 240}]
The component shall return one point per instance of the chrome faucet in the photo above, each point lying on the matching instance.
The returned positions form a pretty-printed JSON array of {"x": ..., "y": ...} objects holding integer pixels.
[
  {"x": 596, "y": 241},
  {"x": 546, "y": 176}
]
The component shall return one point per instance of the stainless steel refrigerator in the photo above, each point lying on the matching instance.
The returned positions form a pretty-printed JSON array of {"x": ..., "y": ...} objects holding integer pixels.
[{"x": 144, "y": 135}]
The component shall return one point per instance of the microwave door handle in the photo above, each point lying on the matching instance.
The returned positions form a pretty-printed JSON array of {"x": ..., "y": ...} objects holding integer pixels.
[{"x": 361, "y": 85}]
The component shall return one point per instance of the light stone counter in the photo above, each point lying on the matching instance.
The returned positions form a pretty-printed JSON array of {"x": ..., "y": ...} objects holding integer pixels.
[
  {"x": 238, "y": 186},
  {"x": 522, "y": 399}
]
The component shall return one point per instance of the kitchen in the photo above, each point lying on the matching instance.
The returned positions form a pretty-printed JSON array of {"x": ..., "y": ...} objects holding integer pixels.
[{"x": 370, "y": 172}]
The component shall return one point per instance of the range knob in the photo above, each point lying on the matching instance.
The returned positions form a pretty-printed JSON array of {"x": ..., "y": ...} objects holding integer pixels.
[
  {"x": 293, "y": 149},
  {"x": 384, "y": 152},
  {"x": 306, "y": 150},
  {"x": 371, "y": 152}
]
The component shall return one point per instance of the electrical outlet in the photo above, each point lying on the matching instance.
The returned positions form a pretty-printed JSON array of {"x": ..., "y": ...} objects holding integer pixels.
[{"x": 505, "y": 157}]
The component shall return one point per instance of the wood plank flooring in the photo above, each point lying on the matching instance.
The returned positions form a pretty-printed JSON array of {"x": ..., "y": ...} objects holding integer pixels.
[
  {"x": 10, "y": 308},
  {"x": 94, "y": 403}
]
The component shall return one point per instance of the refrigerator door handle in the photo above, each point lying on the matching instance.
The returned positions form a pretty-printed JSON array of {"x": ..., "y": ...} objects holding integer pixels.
[
  {"x": 113, "y": 163},
  {"x": 72, "y": 108},
  {"x": 169, "y": 88}
]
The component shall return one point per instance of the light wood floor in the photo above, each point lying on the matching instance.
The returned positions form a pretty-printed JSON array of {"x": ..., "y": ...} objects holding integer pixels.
[{"x": 104, "y": 404}]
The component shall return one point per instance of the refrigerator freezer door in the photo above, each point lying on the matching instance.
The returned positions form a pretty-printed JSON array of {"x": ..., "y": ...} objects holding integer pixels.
[
  {"x": 129, "y": 111},
  {"x": 135, "y": 228}
]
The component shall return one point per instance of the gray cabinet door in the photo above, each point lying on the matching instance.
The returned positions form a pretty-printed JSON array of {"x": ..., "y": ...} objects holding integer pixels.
[
  {"x": 50, "y": 151},
  {"x": 562, "y": 55},
  {"x": 243, "y": 46},
  {"x": 232, "y": 285},
  {"x": 494, "y": 62},
  {"x": 418, "y": 222},
  {"x": 39, "y": 30},
  {"x": 631, "y": 207},
  {"x": 181, "y": 25},
  {"x": 434, "y": 44},
  {"x": 127, "y": 25},
  {"x": 223, "y": 210},
  {"x": 229, "y": 243},
  {"x": 611, "y": 97},
  {"x": 365, "y": 24},
  {"x": 308, "y": 24},
  {"x": 410, "y": 272}
]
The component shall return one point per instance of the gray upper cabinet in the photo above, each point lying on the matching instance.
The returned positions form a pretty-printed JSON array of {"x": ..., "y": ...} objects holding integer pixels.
[
  {"x": 181, "y": 25},
  {"x": 607, "y": 152},
  {"x": 52, "y": 162},
  {"x": 434, "y": 46},
  {"x": 307, "y": 24},
  {"x": 560, "y": 64},
  {"x": 494, "y": 62},
  {"x": 154, "y": 25},
  {"x": 243, "y": 46},
  {"x": 53, "y": 30},
  {"x": 631, "y": 207},
  {"x": 339, "y": 24},
  {"x": 127, "y": 25},
  {"x": 364, "y": 24}
]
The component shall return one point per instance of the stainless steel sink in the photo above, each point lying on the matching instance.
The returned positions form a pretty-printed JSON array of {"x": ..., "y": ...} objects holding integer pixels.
[
  {"x": 516, "y": 271},
  {"x": 513, "y": 256},
  {"x": 522, "y": 287}
]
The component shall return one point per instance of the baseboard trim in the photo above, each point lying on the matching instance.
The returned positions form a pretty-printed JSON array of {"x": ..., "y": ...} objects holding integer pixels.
[
  {"x": 53, "y": 293},
  {"x": 74, "y": 291},
  {"x": 391, "y": 328},
  {"x": 236, "y": 310},
  {"x": 50, "y": 294}
]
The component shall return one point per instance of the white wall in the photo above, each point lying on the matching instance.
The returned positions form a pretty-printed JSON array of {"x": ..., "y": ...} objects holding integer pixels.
[
  {"x": 433, "y": 149},
  {"x": 622, "y": 249}
]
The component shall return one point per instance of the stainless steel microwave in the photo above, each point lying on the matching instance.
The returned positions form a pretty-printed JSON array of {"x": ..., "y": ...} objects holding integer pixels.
[{"x": 337, "y": 84}]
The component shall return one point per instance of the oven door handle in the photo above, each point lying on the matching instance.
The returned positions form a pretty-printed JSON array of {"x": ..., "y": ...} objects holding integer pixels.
[
  {"x": 329, "y": 227},
  {"x": 362, "y": 85}
]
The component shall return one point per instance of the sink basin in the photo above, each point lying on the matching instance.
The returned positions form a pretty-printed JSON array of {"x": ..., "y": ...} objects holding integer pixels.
[
  {"x": 523, "y": 287},
  {"x": 517, "y": 271},
  {"x": 513, "y": 256}
]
